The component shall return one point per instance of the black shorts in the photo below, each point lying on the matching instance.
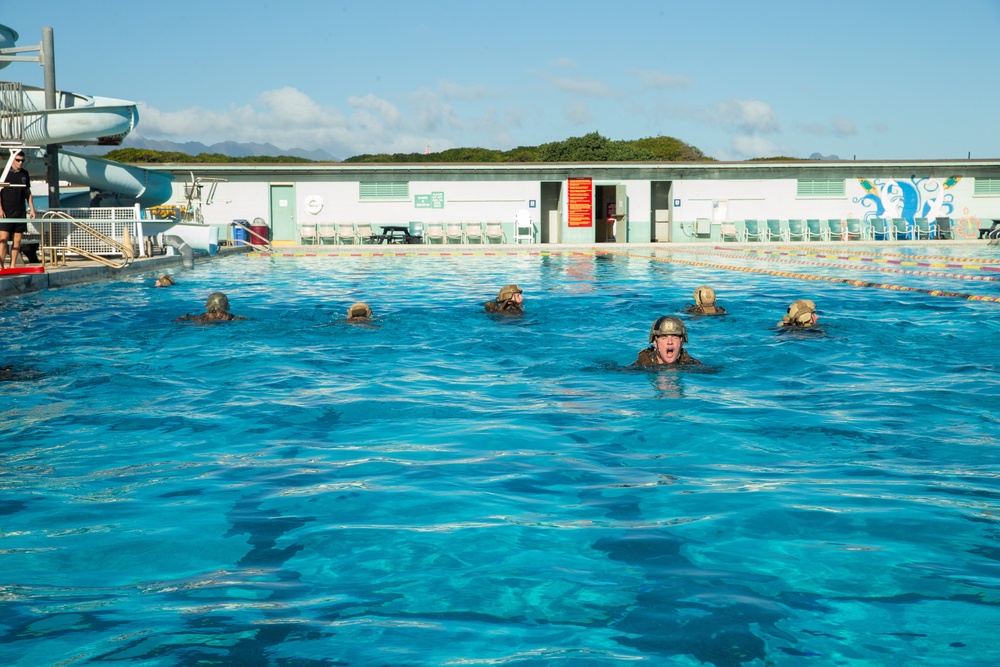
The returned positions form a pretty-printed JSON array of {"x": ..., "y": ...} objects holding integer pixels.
[{"x": 14, "y": 227}]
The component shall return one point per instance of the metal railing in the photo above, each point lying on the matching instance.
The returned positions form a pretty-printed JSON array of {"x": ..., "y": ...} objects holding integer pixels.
[{"x": 62, "y": 235}]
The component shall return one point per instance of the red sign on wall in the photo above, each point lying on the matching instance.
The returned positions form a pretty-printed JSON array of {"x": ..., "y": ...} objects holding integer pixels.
[{"x": 580, "y": 193}]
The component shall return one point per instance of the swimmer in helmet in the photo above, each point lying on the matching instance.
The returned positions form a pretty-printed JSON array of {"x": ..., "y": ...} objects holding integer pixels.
[
  {"x": 166, "y": 280},
  {"x": 508, "y": 302},
  {"x": 359, "y": 313},
  {"x": 216, "y": 310},
  {"x": 666, "y": 337},
  {"x": 704, "y": 303},
  {"x": 801, "y": 315}
]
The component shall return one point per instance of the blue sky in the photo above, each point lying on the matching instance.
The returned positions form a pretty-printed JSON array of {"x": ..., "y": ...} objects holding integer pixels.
[{"x": 882, "y": 80}]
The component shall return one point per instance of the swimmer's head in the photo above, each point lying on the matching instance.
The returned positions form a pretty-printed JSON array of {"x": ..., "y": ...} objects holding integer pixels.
[
  {"x": 164, "y": 281},
  {"x": 359, "y": 311},
  {"x": 217, "y": 301},
  {"x": 704, "y": 296},
  {"x": 668, "y": 326},
  {"x": 800, "y": 313},
  {"x": 507, "y": 293}
]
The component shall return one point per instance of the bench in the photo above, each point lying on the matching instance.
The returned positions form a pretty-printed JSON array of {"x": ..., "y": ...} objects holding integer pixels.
[{"x": 990, "y": 232}]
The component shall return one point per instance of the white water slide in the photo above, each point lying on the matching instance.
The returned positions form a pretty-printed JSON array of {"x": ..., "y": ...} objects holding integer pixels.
[{"x": 81, "y": 119}]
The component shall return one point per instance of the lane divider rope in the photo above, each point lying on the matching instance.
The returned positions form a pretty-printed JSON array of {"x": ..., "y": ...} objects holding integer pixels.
[
  {"x": 878, "y": 253},
  {"x": 806, "y": 276},
  {"x": 853, "y": 267},
  {"x": 876, "y": 260}
]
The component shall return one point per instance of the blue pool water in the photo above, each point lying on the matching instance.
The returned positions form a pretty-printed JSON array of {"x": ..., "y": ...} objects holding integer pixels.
[{"x": 453, "y": 489}]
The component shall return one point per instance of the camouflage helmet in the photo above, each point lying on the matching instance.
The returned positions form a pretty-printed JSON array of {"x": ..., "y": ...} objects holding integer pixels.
[
  {"x": 507, "y": 292},
  {"x": 704, "y": 296},
  {"x": 800, "y": 313},
  {"x": 217, "y": 301},
  {"x": 359, "y": 310},
  {"x": 165, "y": 280},
  {"x": 668, "y": 326}
]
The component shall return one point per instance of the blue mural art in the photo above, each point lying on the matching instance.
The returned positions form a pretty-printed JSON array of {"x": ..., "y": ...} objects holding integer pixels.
[{"x": 906, "y": 200}]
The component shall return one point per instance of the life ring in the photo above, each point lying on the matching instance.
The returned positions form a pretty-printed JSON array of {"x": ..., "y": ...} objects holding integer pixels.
[{"x": 314, "y": 204}]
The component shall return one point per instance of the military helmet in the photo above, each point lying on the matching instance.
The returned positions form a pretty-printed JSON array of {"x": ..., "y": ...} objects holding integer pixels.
[
  {"x": 217, "y": 301},
  {"x": 359, "y": 309},
  {"x": 507, "y": 292},
  {"x": 165, "y": 280},
  {"x": 668, "y": 326},
  {"x": 800, "y": 312},
  {"x": 704, "y": 296}
]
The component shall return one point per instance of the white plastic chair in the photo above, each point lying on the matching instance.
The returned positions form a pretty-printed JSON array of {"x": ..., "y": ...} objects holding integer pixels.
[
  {"x": 454, "y": 232},
  {"x": 524, "y": 230},
  {"x": 307, "y": 233},
  {"x": 494, "y": 232},
  {"x": 474, "y": 232},
  {"x": 730, "y": 232}
]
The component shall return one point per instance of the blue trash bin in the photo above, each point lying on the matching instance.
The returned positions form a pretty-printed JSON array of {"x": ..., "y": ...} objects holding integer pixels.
[{"x": 240, "y": 236}]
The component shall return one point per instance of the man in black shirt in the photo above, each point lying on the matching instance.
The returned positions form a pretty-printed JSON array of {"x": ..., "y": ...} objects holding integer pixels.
[{"x": 15, "y": 202}]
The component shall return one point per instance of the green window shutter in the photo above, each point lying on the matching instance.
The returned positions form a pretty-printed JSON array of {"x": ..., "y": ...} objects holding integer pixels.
[
  {"x": 986, "y": 186},
  {"x": 820, "y": 187},
  {"x": 384, "y": 190}
]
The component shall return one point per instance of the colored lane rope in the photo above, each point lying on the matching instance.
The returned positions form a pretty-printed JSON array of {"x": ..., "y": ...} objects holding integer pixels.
[
  {"x": 425, "y": 253},
  {"x": 877, "y": 253},
  {"x": 877, "y": 260},
  {"x": 851, "y": 267},
  {"x": 806, "y": 276}
]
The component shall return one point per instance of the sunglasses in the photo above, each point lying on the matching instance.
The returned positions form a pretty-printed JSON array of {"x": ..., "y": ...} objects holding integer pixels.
[{"x": 19, "y": 159}]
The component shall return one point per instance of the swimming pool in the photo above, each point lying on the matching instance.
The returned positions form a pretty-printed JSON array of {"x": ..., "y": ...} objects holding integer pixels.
[{"x": 453, "y": 489}]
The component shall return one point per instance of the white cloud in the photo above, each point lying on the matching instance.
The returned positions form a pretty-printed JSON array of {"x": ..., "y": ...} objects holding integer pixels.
[
  {"x": 578, "y": 113},
  {"x": 453, "y": 91},
  {"x": 747, "y": 116},
  {"x": 581, "y": 86},
  {"x": 564, "y": 63},
  {"x": 289, "y": 118},
  {"x": 843, "y": 127},
  {"x": 652, "y": 79},
  {"x": 745, "y": 147}
]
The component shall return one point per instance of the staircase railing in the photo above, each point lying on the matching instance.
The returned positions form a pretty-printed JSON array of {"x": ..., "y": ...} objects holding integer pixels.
[{"x": 55, "y": 253}]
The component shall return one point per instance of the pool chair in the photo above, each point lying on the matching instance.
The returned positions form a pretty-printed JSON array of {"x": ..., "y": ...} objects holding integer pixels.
[
  {"x": 775, "y": 232},
  {"x": 434, "y": 233},
  {"x": 494, "y": 232},
  {"x": 852, "y": 230},
  {"x": 730, "y": 232},
  {"x": 345, "y": 233},
  {"x": 943, "y": 228},
  {"x": 364, "y": 232},
  {"x": 326, "y": 232},
  {"x": 524, "y": 230},
  {"x": 307, "y": 234},
  {"x": 816, "y": 230},
  {"x": 453, "y": 232},
  {"x": 796, "y": 231},
  {"x": 880, "y": 230},
  {"x": 473, "y": 232},
  {"x": 899, "y": 229},
  {"x": 922, "y": 228},
  {"x": 753, "y": 231}
]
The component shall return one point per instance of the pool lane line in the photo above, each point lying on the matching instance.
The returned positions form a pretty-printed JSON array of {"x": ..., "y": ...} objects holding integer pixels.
[
  {"x": 862, "y": 258},
  {"x": 496, "y": 253},
  {"x": 806, "y": 276},
  {"x": 855, "y": 267},
  {"x": 863, "y": 267},
  {"x": 876, "y": 253}
]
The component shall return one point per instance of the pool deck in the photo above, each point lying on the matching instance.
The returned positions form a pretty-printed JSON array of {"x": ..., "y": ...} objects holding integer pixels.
[{"x": 79, "y": 271}]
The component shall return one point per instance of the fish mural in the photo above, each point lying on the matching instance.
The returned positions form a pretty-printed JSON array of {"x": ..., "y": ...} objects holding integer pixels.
[{"x": 907, "y": 199}]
